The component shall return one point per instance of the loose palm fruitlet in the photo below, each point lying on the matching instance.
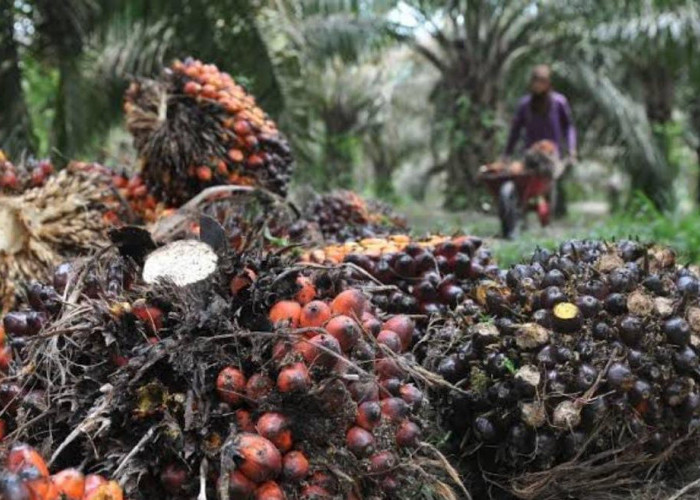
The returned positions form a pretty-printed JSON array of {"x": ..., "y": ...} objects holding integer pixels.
[
  {"x": 196, "y": 127},
  {"x": 240, "y": 377},
  {"x": 26, "y": 477},
  {"x": 344, "y": 215},
  {"x": 67, "y": 214},
  {"x": 585, "y": 375},
  {"x": 430, "y": 276}
]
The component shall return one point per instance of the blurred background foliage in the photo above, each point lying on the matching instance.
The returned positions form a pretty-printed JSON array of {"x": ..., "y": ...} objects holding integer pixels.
[{"x": 402, "y": 99}]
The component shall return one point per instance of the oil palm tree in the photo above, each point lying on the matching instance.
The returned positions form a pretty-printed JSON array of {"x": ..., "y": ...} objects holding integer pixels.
[{"x": 322, "y": 51}]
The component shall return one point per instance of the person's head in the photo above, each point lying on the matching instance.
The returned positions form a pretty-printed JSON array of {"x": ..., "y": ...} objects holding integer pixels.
[{"x": 540, "y": 79}]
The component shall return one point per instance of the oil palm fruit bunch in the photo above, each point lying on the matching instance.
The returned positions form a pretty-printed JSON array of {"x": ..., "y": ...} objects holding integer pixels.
[
  {"x": 196, "y": 127},
  {"x": 28, "y": 174},
  {"x": 25, "y": 476},
  {"x": 430, "y": 275},
  {"x": 186, "y": 371},
  {"x": 66, "y": 214},
  {"x": 585, "y": 370},
  {"x": 343, "y": 215}
]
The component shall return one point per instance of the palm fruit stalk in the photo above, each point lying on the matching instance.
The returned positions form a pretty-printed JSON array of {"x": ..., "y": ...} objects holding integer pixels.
[
  {"x": 239, "y": 376},
  {"x": 343, "y": 215},
  {"x": 582, "y": 375},
  {"x": 67, "y": 214},
  {"x": 196, "y": 128}
]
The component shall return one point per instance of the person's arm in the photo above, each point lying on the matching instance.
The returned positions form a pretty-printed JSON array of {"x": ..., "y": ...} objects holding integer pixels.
[
  {"x": 567, "y": 122},
  {"x": 515, "y": 128}
]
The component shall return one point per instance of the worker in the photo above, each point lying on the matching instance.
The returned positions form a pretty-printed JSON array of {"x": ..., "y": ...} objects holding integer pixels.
[{"x": 545, "y": 115}]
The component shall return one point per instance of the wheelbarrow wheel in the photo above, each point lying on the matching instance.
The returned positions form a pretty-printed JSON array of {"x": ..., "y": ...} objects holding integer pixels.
[{"x": 509, "y": 210}]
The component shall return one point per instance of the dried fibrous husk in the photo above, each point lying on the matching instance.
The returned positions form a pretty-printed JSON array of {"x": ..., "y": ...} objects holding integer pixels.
[{"x": 43, "y": 226}]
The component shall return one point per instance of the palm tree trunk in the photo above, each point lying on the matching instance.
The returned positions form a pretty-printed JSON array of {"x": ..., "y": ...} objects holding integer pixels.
[{"x": 15, "y": 126}]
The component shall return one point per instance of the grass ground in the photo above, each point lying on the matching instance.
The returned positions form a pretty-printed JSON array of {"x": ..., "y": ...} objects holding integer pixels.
[{"x": 680, "y": 230}]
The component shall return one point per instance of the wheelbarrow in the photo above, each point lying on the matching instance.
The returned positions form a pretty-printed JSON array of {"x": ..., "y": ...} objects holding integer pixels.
[{"x": 518, "y": 193}]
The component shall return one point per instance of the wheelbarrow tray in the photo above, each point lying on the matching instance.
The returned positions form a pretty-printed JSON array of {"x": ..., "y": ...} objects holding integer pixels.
[{"x": 528, "y": 184}]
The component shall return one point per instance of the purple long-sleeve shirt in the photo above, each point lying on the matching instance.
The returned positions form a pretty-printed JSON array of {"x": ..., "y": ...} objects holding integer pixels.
[{"x": 557, "y": 125}]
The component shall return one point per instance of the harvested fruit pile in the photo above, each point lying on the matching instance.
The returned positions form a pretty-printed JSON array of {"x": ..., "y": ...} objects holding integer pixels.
[
  {"x": 585, "y": 376},
  {"x": 343, "y": 215},
  {"x": 240, "y": 378},
  {"x": 427, "y": 276},
  {"x": 26, "y": 477},
  {"x": 196, "y": 128}
]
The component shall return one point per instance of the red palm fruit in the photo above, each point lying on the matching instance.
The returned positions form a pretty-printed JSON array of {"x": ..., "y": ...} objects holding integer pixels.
[
  {"x": 359, "y": 441},
  {"x": 285, "y": 312},
  {"x": 242, "y": 128},
  {"x": 364, "y": 391},
  {"x": 173, "y": 478},
  {"x": 403, "y": 326},
  {"x": 251, "y": 142},
  {"x": 369, "y": 414},
  {"x": 412, "y": 395},
  {"x": 295, "y": 466},
  {"x": 37, "y": 177},
  {"x": 319, "y": 350},
  {"x": 221, "y": 167},
  {"x": 5, "y": 357},
  {"x": 9, "y": 180},
  {"x": 107, "y": 491},
  {"x": 314, "y": 314},
  {"x": 235, "y": 155},
  {"x": 255, "y": 161},
  {"x": 293, "y": 378},
  {"x": 192, "y": 88},
  {"x": 23, "y": 456},
  {"x": 307, "y": 292},
  {"x": 269, "y": 490},
  {"x": 345, "y": 330},
  {"x": 70, "y": 483},
  {"x": 244, "y": 421},
  {"x": 230, "y": 385},
  {"x": 395, "y": 409},
  {"x": 349, "y": 303},
  {"x": 209, "y": 91},
  {"x": 388, "y": 368},
  {"x": 371, "y": 325},
  {"x": 258, "y": 387},
  {"x": 391, "y": 340},
  {"x": 313, "y": 492},
  {"x": 407, "y": 434},
  {"x": 3, "y": 428},
  {"x": 242, "y": 281},
  {"x": 240, "y": 486},
  {"x": 274, "y": 427},
  {"x": 382, "y": 462},
  {"x": 257, "y": 458},
  {"x": 151, "y": 316},
  {"x": 92, "y": 482},
  {"x": 204, "y": 173}
]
